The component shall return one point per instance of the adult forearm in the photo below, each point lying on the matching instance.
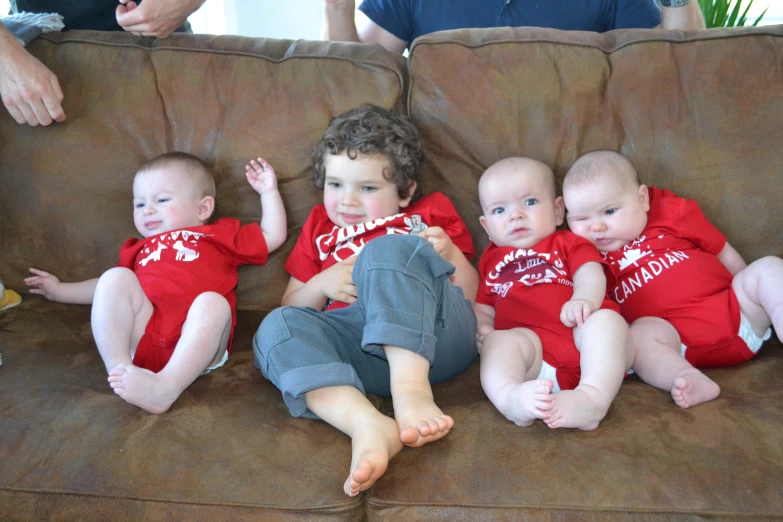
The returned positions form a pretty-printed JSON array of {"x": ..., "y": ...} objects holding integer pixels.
[
  {"x": 339, "y": 22},
  {"x": 684, "y": 18}
]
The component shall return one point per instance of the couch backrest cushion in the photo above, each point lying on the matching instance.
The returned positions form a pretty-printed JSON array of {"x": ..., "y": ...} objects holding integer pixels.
[
  {"x": 698, "y": 113},
  {"x": 66, "y": 195}
]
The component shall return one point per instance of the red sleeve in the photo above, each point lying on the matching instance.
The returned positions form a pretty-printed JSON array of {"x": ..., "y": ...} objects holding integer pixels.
[
  {"x": 243, "y": 245},
  {"x": 580, "y": 251},
  {"x": 484, "y": 296},
  {"x": 688, "y": 221},
  {"x": 444, "y": 215},
  {"x": 304, "y": 262},
  {"x": 128, "y": 252}
]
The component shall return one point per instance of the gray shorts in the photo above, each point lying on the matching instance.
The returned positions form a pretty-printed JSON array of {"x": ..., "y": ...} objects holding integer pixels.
[{"x": 405, "y": 300}]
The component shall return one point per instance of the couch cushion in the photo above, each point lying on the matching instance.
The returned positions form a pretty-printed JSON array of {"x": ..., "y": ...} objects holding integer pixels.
[
  {"x": 698, "y": 113},
  {"x": 66, "y": 196},
  {"x": 227, "y": 450}
]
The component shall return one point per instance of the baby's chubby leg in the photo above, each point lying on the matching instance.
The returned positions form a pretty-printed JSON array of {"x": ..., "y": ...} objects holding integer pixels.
[
  {"x": 605, "y": 355},
  {"x": 658, "y": 362},
  {"x": 510, "y": 362},
  {"x": 120, "y": 313},
  {"x": 203, "y": 343},
  {"x": 759, "y": 290}
]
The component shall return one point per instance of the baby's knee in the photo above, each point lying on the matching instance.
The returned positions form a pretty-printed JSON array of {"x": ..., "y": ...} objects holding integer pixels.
[
  {"x": 115, "y": 278},
  {"x": 213, "y": 302},
  {"x": 646, "y": 329}
]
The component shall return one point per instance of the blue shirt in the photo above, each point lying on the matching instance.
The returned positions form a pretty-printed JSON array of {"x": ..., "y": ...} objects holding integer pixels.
[{"x": 409, "y": 19}]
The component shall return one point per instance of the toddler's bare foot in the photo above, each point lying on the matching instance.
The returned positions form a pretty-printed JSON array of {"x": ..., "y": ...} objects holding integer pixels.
[
  {"x": 374, "y": 442},
  {"x": 692, "y": 387},
  {"x": 419, "y": 419},
  {"x": 529, "y": 401},
  {"x": 142, "y": 388},
  {"x": 575, "y": 409}
]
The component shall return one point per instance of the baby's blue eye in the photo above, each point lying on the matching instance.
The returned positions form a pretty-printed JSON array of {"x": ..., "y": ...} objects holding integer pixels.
[
  {"x": 163, "y": 200},
  {"x": 530, "y": 202},
  {"x": 369, "y": 188},
  {"x": 610, "y": 211},
  {"x": 333, "y": 184},
  {"x": 498, "y": 211},
  {"x": 138, "y": 205}
]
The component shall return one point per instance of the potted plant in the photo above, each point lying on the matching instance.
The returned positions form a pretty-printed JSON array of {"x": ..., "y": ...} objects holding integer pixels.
[{"x": 720, "y": 13}]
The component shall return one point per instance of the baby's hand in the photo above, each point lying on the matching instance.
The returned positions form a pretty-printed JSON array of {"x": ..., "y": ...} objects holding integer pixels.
[
  {"x": 442, "y": 242},
  {"x": 337, "y": 281},
  {"x": 482, "y": 332},
  {"x": 575, "y": 312},
  {"x": 42, "y": 283},
  {"x": 261, "y": 176}
]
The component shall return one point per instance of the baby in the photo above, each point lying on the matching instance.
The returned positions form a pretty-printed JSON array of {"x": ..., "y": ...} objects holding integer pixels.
[
  {"x": 691, "y": 300},
  {"x": 541, "y": 308},
  {"x": 167, "y": 313}
]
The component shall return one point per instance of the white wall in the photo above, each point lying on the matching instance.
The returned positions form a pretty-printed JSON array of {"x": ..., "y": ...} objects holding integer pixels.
[{"x": 291, "y": 19}]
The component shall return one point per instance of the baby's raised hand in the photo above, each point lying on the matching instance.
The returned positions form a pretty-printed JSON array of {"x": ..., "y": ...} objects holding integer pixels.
[
  {"x": 261, "y": 176},
  {"x": 42, "y": 283},
  {"x": 440, "y": 241},
  {"x": 575, "y": 312}
]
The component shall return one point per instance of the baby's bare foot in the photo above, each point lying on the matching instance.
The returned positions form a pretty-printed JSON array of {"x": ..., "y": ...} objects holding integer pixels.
[
  {"x": 529, "y": 401},
  {"x": 575, "y": 409},
  {"x": 374, "y": 442},
  {"x": 692, "y": 387},
  {"x": 142, "y": 388},
  {"x": 419, "y": 419}
]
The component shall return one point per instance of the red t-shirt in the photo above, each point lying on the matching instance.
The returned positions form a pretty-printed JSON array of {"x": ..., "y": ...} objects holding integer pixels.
[
  {"x": 528, "y": 287},
  {"x": 671, "y": 271},
  {"x": 322, "y": 244},
  {"x": 173, "y": 268}
]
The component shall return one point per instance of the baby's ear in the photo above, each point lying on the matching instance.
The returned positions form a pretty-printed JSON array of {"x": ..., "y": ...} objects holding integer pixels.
[
  {"x": 205, "y": 208},
  {"x": 559, "y": 211},
  {"x": 644, "y": 197}
]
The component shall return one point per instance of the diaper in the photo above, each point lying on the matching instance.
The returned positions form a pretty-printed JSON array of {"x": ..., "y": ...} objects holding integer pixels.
[{"x": 549, "y": 372}]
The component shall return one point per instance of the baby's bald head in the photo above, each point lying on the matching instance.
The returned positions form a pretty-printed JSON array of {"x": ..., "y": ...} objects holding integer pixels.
[
  {"x": 498, "y": 176},
  {"x": 605, "y": 166}
]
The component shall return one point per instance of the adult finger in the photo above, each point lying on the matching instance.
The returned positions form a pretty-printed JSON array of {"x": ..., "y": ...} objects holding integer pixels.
[
  {"x": 53, "y": 103},
  {"x": 27, "y": 113},
  {"x": 41, "y": 112},
  {"x": 16, "y": 114}
]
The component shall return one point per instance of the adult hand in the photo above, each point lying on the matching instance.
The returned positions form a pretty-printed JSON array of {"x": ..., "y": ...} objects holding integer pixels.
[
  {"x": 575, "y": 312},
  {"x": 157, "y": 18},
  {"x": 42, "y": 283},
  {"x": 337, "y": 281},
  {"x": 29, "y": 90}
]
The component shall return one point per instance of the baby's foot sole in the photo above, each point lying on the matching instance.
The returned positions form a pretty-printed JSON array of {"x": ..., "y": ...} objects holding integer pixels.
[
  {"x": 142, "y": 388},
  {"x": 374, "y": 443},
  {"x": 529, "y": 401},
  {"x": 574, "y": 409},
  {"x": 692, "y": 388}
]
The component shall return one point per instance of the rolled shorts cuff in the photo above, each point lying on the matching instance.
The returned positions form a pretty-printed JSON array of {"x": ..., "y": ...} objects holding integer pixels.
[
  {"x": 378, "y": 334},
  {"x": 295, "y": 383}
]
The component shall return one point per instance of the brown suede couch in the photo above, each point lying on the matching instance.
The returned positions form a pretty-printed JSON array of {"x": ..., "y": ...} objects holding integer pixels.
[{"x": 698, "y": 113}]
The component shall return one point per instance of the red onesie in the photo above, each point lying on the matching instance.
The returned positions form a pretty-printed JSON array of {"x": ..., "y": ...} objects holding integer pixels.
[
  {"x": 173, "y": 268},
  {"x": 528, "y": 288},
  {"x": 322, "y": 244},
  {"x": 671, "y": 271}
]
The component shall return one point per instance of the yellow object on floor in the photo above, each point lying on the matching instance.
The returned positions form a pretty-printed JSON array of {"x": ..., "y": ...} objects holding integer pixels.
[{"x": 9, "y": 299}]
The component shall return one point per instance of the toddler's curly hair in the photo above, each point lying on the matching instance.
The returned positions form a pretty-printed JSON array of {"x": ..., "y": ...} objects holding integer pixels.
[{"x": 371, "y": 130}]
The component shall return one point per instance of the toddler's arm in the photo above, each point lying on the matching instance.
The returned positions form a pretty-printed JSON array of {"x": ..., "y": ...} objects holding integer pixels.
[
  {"x": 334, "y": 283},
  {"x": 732, "y": 260},
  {"x": 465, "y": 277},
  {"x": 485, "y": 316},
  {"x": 589, "y": 292},
  {"x": 49, "y": 286},
  {"x": 263, "y": 179}
]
